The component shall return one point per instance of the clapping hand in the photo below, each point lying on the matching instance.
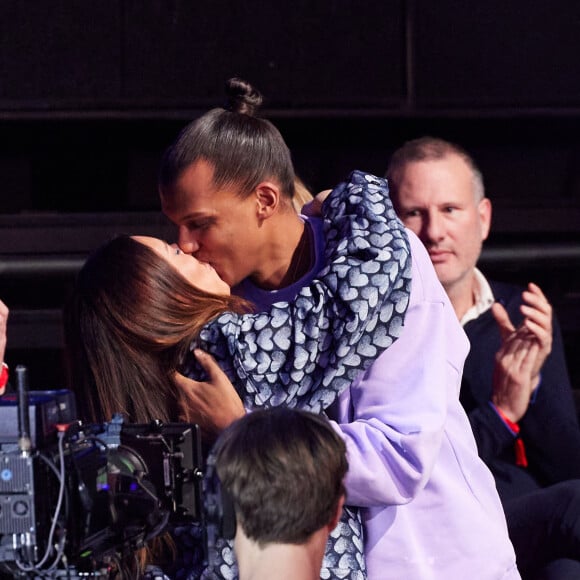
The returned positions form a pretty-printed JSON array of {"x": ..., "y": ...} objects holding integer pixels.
[{"x": 522, "y": 354}]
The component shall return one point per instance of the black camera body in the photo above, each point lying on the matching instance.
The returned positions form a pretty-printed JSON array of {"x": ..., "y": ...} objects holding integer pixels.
[{"x": 78, "y": 497}]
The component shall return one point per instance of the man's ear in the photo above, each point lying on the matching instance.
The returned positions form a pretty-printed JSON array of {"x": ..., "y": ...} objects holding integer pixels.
[
  {"x": 484, "y": 210},
  {"x": 334, "y": 522},
  {"x": 267, "y": 199}
]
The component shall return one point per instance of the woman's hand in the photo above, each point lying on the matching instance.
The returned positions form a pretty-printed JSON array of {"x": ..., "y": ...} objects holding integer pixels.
[{"x": 212, "y": 404}]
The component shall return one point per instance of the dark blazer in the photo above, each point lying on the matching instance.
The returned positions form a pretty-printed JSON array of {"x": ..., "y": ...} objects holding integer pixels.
[{"x": 549, "y": 428}]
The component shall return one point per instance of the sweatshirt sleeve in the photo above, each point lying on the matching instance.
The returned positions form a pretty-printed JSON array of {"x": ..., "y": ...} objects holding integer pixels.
[
  {"x": 305, "y": 352},
  {"x": 393, "y": 419}
]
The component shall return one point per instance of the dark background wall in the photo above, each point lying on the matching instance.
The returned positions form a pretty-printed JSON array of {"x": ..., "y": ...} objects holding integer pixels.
[{"x": 92, "y": 92}]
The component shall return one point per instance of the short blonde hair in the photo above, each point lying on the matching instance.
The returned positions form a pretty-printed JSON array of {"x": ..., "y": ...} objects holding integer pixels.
[{"x": 430, "y": 149}]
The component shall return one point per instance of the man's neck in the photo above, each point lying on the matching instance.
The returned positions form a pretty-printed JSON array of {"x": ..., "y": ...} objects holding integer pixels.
[
  {"x": 280, "y": 561},
  {"x": 288, "y": 256},
  {"x": 462, "y": 294}
]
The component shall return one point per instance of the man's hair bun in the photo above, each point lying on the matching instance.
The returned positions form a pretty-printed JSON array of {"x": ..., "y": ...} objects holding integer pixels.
[{"x": 242, "y": 97}]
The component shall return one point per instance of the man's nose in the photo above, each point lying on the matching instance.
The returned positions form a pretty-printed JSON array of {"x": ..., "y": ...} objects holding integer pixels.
[
  {"x": 187, "y": 241},
  {"x": 433, "y": 228}
]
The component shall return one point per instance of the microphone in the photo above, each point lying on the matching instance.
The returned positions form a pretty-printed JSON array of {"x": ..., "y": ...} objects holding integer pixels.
[{"x": 24, "y": 443}]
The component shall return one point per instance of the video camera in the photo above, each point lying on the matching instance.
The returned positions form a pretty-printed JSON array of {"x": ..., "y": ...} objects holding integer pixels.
[{"x": 75, "y": 498}]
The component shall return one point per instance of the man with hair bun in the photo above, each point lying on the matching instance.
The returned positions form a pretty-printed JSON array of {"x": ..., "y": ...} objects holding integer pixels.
[{"x": 429, "y": 505}]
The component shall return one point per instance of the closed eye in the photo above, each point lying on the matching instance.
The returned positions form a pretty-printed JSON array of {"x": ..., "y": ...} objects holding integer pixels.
[
  {"x": 199, "y": 225},
  {"x": 173, "y": 249}
]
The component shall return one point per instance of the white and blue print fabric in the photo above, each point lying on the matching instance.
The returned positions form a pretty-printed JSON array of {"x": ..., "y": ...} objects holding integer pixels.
[{"x": 305, "y": 353}]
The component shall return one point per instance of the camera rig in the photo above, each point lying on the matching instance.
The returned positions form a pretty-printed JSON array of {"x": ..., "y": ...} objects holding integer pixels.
[{"x": 76, "y": 498}]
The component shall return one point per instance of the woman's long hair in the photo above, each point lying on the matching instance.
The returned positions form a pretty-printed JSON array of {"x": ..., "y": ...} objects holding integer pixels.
[{"x": 128, "y": 325}]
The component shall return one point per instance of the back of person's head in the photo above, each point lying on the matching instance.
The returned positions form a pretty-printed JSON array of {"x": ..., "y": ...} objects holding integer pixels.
[
  {"x": 284, "y": 470},
  {"x": 128, "y": 324},
  {"x": 429, "y": 149},
  {"x": 242, "y": 148}
]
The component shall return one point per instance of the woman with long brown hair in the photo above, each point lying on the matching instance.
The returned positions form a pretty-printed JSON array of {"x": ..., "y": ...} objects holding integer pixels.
[{"x": 129, "y": 325}]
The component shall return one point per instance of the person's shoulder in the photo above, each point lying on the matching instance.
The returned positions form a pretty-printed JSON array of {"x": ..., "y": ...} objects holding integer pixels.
[
  {"x": 429, "y": 305},
  {"x": 316, "y": 224}
]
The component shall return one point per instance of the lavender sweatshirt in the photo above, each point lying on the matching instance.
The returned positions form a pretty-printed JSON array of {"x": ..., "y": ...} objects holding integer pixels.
[{"x": 431, "y": 509}]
